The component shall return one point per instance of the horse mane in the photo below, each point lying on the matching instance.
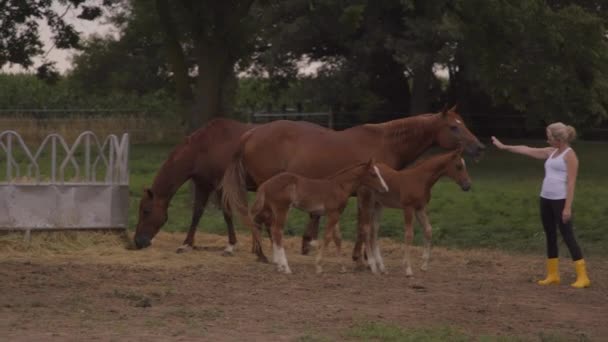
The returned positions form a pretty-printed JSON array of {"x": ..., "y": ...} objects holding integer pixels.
[{"x": 409, "y": 128}]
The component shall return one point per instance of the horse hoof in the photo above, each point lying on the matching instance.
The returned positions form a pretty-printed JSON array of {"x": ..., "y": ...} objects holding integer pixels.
[
  {"x": 409, "y": 273},
  {"x": 424, "y": 267},
  {"x": 319, "y": 270},
  {"x": 228, "y": 251},
  {"x": 342, "y": 269},
  {"x": 183, "y": 249}
]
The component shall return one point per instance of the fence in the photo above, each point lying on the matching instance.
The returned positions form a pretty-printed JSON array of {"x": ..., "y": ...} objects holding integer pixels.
[{"x": 82, "y": 186}]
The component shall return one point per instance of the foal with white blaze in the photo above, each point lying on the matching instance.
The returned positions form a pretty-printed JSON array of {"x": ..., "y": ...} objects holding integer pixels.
[
  {"x": 410, "y": 190},
  {"x": 327, "y": 196}
]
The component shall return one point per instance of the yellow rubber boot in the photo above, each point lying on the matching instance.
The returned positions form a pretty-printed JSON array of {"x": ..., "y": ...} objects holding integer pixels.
[
  {"x": 582, "y": 280},
  {"x": 552, "y": 272}
]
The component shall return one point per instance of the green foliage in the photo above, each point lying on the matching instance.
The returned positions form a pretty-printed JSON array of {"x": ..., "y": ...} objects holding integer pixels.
[
  {"x": 20, "y": 39},
  {"x": 548, "y": 63},
  {"x": 25, "y": 91}
]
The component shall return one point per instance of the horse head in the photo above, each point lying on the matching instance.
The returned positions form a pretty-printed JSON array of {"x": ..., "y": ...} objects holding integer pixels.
[
  {"x": 372, "y": 177},
  {"x": 152, "y": 215},
  {"x": 454, "y": 133},
  {"x": 457, "y": 170}
]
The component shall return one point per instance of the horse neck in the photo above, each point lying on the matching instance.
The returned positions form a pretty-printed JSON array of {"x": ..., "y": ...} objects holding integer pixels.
[
  {"x": 430, "y": 170},
  {"x": 173, "y": 173},
  {"x": 350, "y": 178},
  {"x": 408, "y": 138}
]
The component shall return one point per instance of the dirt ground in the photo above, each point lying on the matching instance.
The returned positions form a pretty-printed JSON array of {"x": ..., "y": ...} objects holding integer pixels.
[{"x": 107, "y": 292}]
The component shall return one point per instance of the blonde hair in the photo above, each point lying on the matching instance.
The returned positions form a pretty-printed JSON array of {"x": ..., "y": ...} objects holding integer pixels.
[{"x": 561, "y": 132}]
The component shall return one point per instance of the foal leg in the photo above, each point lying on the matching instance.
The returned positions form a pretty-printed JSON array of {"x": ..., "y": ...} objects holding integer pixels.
[
  {"x": 332, "y": 222},
  {"x": 377, "y": 215},
  {"x": 201, "y": 196},
  {"x": 423, "y": 219},
  {"x": 337, "y": 235},
  {"x": 278, "y": 251},
  {"x": 309, "y": 239},
  {"x": 363, "y": 220},
  {"x": 408, "y": 215}
]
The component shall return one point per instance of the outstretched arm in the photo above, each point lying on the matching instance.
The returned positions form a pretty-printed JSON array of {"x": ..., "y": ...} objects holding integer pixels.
[
  {"x": 572, "y": 167},
  {"x": 534, "y": 152}
]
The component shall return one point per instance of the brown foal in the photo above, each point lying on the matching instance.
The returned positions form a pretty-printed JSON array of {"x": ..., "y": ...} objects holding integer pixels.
[
  {"x": 327, "y": 196},
  {"x": 410, "y": 190}
]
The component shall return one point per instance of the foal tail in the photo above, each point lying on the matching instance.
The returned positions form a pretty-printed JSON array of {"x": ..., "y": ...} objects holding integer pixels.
[{"x": 234, "y": 187}]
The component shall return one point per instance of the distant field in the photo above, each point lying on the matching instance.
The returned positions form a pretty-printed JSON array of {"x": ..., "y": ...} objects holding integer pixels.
[{"x": 501, "y": 210}]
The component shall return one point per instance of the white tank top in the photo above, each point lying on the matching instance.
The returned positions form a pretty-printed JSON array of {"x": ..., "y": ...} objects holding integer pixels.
[{"x": 556, "y": 177}]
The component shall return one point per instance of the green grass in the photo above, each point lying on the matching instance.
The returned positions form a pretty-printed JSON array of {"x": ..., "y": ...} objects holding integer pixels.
[
  {"x": 500, "y": 211},
  {"x": 372, "y": 331}
]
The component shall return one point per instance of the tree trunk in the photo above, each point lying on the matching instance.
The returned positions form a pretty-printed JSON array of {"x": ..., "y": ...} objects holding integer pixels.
[
  {"x": 214, "y": 70},
  {"x": 423, "y": 74},
  {"x": 177, "y": 61}
]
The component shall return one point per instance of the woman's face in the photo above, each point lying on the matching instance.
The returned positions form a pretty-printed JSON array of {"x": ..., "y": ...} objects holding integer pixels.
[{"x": 552, "y": 141}]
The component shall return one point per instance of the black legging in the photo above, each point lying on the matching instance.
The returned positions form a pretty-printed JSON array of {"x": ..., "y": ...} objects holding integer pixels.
[{"x": 551, "y": 215}]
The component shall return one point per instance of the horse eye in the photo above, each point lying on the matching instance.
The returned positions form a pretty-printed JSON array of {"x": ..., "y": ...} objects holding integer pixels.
[
  {"x": 454, "y": 129},
  {"x": 458, "y": 167}
]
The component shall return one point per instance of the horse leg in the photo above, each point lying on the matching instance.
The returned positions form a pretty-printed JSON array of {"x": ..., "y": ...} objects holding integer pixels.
[
  {"x": 377, "y": 214},
  {"x": 229, "y": 250},
  {"x": 337, "y": 235},
  {"x": 201, "y": 196},
  {"x": 328, "y": 235},
  {"x": 363, "y": 218},
  {"x": 278, "y": 251},
  {"x": 309, "y": 239},
  {"x": 408, "y": 216},
  {"x": 423, "y": 219}
]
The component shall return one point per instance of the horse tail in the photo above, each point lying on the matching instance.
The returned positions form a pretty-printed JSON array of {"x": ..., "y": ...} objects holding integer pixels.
[
  {"x": 233, "y": 186},
  {"x": 258, "y": 205}
]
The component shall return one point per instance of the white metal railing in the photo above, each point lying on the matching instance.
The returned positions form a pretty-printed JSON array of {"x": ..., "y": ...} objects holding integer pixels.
[{"x": 113, "y": 154}]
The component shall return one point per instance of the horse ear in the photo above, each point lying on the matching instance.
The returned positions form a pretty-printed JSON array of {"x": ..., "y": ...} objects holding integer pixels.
[
  {"x": 149, "y": 192},
  {"x": 453, "y": 109},
  {"x": 444, "y": 111}
]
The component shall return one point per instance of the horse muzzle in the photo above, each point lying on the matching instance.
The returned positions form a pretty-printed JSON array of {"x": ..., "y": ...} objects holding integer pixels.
[
  {"x": 142, "y": 242},
  {"x": 465, "y": 186}
]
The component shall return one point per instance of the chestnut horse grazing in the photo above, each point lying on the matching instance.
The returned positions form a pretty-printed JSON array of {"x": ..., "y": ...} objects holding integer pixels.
[
  {"x": 202, "y": 157},
  {"x": 317, "y": 152},
  {"x": 327, "y": 196},
  {"x": 410, "y": 190}
]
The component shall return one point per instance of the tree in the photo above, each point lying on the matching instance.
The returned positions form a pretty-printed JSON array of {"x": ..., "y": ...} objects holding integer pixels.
[
  {"x": 205, "y": 39},
  {"x": 20, "y": 36},
  {"x": 550, "y": 64},
  {"x": 351, "y": 40}
]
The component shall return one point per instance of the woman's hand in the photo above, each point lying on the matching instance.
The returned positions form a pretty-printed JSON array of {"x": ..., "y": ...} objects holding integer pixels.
[
  {"x": 566, "y": 215},
  {"x": 497, "y": 143}
]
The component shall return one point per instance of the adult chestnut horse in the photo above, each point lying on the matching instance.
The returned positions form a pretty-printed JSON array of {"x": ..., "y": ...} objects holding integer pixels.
[
  {"x": 316, "y": 152},
  {"x": 202, "y": 157}
]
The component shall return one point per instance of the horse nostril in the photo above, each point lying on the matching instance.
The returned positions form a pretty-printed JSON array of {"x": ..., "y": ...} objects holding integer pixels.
[{"x": 142, "y": 242}]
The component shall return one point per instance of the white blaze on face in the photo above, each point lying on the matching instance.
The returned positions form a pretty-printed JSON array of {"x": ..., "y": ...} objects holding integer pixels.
[
  {"x": 463, "y": 163},
  {"x": 458, "y": 121},
  {"x": 384, "y": 186}
]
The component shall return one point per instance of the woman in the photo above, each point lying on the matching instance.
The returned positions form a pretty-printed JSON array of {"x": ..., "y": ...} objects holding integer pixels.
[{"x": 556, "y": 196}]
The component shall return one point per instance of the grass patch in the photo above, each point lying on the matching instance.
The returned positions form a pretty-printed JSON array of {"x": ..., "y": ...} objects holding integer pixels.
[
  {"x": 500, "y": 211},
  {"x": 388, "y": 333}
]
